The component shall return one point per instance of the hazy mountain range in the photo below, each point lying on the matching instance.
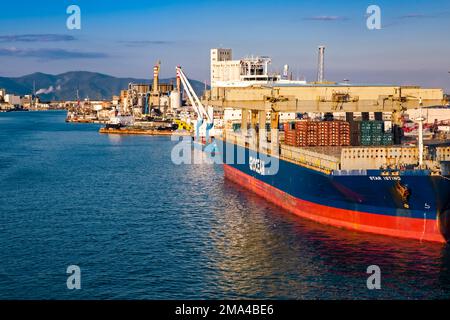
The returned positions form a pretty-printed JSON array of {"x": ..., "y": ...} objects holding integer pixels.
[{"x": 64, "y": 86}]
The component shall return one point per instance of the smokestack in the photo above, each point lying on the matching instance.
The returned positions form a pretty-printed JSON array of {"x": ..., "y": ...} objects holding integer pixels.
[
  {"x": 321, "y": 64},
  {"x": 156, "y": 77}
]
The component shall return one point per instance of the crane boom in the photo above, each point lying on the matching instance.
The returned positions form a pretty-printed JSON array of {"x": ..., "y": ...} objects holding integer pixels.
[{"x": 193, "y": 98}]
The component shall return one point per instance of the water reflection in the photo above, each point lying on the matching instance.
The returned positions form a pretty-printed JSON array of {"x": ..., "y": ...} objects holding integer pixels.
[
  {"x": 267, "y": 250},
  {"x": 114, "y": 138}
]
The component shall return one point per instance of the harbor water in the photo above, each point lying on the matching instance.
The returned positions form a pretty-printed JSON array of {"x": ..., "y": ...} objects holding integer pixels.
[{"x": 141, "y": 227}]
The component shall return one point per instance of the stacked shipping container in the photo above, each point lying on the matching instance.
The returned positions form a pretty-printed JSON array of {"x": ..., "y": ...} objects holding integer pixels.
[
  {"x": 317, "y": 133},
  {"x": 373, "y": 134}
]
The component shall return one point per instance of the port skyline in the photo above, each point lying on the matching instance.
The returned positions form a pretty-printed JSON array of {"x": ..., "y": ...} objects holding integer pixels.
[{"x": 102, "y": 46}]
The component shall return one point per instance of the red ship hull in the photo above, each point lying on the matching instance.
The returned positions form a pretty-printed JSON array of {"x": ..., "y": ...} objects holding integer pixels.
[{"x": 396, "y": 226}]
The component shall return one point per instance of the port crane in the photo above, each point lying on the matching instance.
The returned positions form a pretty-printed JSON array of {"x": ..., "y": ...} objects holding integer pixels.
[{"x": 205, "y": 116}]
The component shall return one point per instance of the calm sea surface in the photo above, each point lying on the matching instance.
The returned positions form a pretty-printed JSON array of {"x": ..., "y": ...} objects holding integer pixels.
[{"x": 140, "y": 227}]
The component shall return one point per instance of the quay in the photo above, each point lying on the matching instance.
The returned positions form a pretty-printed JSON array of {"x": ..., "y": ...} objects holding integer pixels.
[{"x": 148, "y": 132}]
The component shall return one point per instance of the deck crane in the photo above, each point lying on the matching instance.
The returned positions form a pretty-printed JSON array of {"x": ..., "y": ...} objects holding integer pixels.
[{"x": 205, "y": 117}]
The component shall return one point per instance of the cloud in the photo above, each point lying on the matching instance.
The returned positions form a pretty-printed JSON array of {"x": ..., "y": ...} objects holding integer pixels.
[
  {"x": 326, "y": 18},
  {"x": 143, "y": 43},
  {"x": 416, "y": 16},
  {"x": 413, "y": 16},
  {"x": 50, "y": 54},
  {"x": 37, "y": 38}
]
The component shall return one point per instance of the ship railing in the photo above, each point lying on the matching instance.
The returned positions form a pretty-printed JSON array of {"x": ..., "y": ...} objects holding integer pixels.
[
  {"x": 310, "y": 158},
  {"x": 250, "y": 142}
]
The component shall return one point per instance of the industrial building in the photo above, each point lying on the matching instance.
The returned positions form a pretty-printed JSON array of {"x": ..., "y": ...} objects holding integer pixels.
[
  {"x": 158, "y": 99},
  {"x": 142, "y": 102},
  {"x": 10, "y": 102}
]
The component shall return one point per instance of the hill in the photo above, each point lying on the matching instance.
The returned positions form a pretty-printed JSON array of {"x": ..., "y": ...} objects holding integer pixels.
[{"x": 64, "y": 86}]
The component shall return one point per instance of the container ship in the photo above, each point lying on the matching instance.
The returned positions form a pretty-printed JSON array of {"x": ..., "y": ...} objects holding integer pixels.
[{"x": 345, "y": 163}]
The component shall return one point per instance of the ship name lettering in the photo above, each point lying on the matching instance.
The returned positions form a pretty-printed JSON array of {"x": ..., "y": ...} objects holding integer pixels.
[
  {"x": 385, "y": 178},
  {"x": 257, "y": 165}
]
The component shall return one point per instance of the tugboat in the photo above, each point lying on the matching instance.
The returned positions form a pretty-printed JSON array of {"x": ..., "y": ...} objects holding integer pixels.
[{"x": 119, "y": 121}]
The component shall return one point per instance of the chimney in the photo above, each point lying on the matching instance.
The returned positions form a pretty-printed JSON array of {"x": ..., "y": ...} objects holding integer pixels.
[
  {"x": 156, "y": 77},
  {"x": 321, "y": 64}
]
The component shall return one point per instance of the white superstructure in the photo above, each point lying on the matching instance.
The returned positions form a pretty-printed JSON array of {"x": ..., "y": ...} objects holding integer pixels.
[
  {"x": 246, "y": 72},
  {"x": 223, "y": 67},
  {"x": 254, "y": 70}
]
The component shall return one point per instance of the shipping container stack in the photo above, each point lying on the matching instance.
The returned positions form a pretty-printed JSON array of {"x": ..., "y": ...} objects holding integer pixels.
[
  {"x": 301, "y": 132},
  {"x": 334, "y": 133},
  {"x": 366, "y": 133},
  {"x": 388, "y": 138},
  {"x": 355, "y": 133},
  {"x": 289, "y": 135},
  {"x": 373, "y": 134},
  {"x": 317, "y": 133},
  {"x": 377, "y": 132},
  {"x": 324, "y": 133},
  {"x": 313, "y": 133},
  {"x": 344, "y": 134}
]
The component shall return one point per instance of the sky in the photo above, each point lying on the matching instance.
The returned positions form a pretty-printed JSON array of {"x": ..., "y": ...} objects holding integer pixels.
[{"x": 126, "y": 38}]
